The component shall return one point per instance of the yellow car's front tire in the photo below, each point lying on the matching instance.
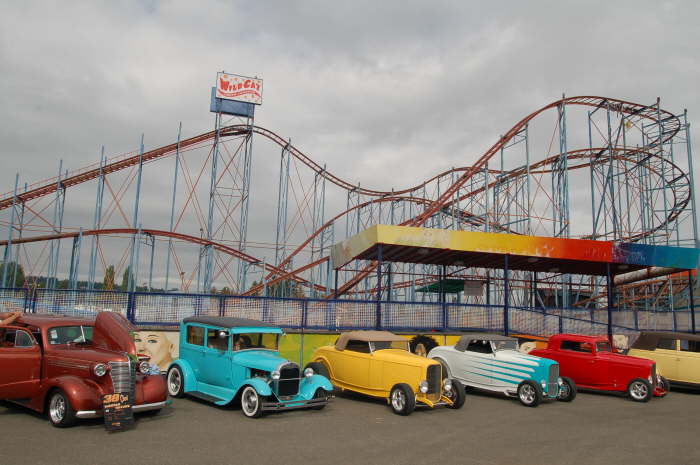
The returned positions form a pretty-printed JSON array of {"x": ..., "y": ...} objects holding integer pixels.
[{"x": 402, "y": 399}]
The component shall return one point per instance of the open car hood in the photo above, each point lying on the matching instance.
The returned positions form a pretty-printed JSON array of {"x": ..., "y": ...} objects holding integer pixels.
[{"x": 113, "y": 332}]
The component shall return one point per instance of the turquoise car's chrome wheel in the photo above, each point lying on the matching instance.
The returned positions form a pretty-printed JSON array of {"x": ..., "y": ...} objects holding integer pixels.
[
  {"x": 174, "y": 382},
  {"x": 527, "y": 394},
  {"x": 251, "y": 402}
]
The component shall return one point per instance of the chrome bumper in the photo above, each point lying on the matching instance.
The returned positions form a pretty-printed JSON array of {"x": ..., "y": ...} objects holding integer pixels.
[
  {"x": 135, "y": 409},
  {"x": 293, "y": 404}
]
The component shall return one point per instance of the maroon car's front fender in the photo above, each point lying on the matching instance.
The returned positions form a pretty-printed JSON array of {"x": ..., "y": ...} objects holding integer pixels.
[
  {"x": 150, "y": 389},
  {"x": 82, "y": 394}
]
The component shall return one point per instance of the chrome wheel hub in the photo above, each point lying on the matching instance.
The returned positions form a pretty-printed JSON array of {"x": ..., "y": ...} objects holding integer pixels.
[
  {"x": 57, "y": 408},
  {"x": 639, "y": 391},
  {"x": 174, "y": 382},
  {"x": 398, "y": 400},
  {"x": 564, "y": 391},
  {"x": 527, "y": 394},
  {"x": 249, "y": 401}
]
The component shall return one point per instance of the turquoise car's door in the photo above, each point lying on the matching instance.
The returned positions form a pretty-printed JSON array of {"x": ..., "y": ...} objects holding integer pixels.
[
  {"x": 192, "y": 350},
  {"x": 216, "y": 360}
]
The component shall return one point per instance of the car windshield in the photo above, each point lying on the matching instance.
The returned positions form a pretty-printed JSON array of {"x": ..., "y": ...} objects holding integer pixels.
[
  {"x": 70, "y": 335},
  {"x": 258, "y": 341},
  {"x": 505, "y": 345},
  {"x": 603, "y": 347},
  {"x": 382, "y": 345}
]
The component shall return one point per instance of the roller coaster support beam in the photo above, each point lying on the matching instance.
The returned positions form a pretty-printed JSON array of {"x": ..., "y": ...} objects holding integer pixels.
[
  {"x": 282, "y": 197},
  {"x": 131, "y": 284},
  {"x": 245, "y": 196},
  {"x": 96, "y": 222},
  {"x": 10, "y": 228},
  {"x": 54, "y": 250},
  {"x": 208, "y": 251},
  {"x": 691, "y": 174},
  {"x": 610, "y": 284},
  {"x": 75, "y": 261},
  {"x": 20, "y": 229},
  {"x": 172, "y": 207}
]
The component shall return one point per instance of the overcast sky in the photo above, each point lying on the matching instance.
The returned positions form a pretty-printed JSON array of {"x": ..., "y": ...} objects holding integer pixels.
[{"x": 385, "y": 93}]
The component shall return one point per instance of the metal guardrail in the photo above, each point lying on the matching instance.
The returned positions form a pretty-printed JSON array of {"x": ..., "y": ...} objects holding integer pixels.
[{"x": 167, "y": 309}]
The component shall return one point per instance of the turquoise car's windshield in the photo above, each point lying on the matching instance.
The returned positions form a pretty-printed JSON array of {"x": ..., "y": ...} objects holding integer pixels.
[
  {"x": 505, "y": 345},
  {"x": 258, "y": 341},
  {"x": 70, "y": 335}
]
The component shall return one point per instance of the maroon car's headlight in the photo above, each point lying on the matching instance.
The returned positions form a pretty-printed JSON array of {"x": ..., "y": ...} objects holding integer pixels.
[
  {"x": 100, "y": 369},
  {"x": 144, "y": 367}
]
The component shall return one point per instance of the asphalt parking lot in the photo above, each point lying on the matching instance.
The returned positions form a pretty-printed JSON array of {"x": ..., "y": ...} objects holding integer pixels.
[{"x": 594, "y": 429}]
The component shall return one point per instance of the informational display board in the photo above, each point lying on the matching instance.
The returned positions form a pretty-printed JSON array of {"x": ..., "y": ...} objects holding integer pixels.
[
  {"x": 239, "y": 88},
  {"x": 118, "y": 415},
  {"x": 473, "y": 288}
]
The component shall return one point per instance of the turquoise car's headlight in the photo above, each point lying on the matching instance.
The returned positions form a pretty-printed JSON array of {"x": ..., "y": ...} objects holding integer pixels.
[
  {"x": 275, "y": 375},
  {"x": 309, "y": 372},
  {"x": 544, "y": 384}
]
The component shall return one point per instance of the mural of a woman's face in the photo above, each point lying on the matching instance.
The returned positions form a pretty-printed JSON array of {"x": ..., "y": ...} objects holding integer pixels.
[{"x": 156, "y": 345}]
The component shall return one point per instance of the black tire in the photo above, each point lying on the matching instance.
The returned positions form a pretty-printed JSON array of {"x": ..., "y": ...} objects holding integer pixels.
[
  {"x": 320, "y": 394},
  {"x": 458, "y": 395},
  {"x": 421, "y": 345},
  {"x": 61, "y": 414},
  {"x": 251, "y": 402},
  {"x": 639, "y": 390},
  {"x": 567, "y": 390},
  {"x": 319, "y": 369},
  {"x": 529, "y": 393},
  {"x": 175, "y": 382},
  {"x": 665, "y": 385},
  {"x": 402, "y": 399}
]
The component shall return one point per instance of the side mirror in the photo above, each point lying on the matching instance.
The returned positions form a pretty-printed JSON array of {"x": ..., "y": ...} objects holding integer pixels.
[{"x": 222, "y": 334}]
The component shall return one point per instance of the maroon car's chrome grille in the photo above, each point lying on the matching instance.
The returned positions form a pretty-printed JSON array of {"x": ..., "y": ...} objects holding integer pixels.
[{"x": 123, "y": 376}]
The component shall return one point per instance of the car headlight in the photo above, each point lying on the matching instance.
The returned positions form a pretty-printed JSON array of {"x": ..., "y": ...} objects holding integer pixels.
[
  {"x": 100, "y": 369},
  {"x": 308, "y": 372},
  {"x": 544, "y": 384},
  {"x": 651, "y": 380},
  {"x": 275, "y": 375},
  {"x": 560, "y": 381},
  {"x": 423, "y": 386},
  {"x": 144, "y": 367},
  {"x": 447, "y": 385}
]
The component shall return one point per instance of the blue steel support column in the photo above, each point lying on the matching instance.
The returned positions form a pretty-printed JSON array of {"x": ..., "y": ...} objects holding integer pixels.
[
  {"x": 8, "y": 247},
  {"x": 75, "y": 261},
  {"x": 282, "y": 194},
  {"x": 208, "y": 250},
  {"x": 172, "y": 207},
  {"x": 506, "y": 296},
  {"x": 245, "y": 196},
  {"x": 378, "y": 315},
  {"x": 96, "y": 222},
  {"x": 17, "y": 257},
  {"x": 691, "y": 302},
  {"x": 692, "y": 177},
  {"x": 57, "y": 218},
  {"x": 150, "y": 267},
  {"x": 443, "y": 274},
  {"x": 131, "y": 285},
  {"x": 610, "y": 301}
]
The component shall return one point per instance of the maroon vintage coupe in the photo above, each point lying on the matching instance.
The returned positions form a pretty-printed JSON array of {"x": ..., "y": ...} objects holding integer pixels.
[
  {"x": 591, "y": 363},
  {"x": 63, "y": 366}
]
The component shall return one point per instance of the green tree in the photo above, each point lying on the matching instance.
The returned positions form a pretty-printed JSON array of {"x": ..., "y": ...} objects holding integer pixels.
[
  {"x": 14, "y": 276},
  {"x": 108, "y": 280},
  {"x": 125, "y": 279}
]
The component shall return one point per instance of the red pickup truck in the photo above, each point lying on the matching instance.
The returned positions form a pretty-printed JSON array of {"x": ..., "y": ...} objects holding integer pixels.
[
  {"x": 591, "y": 363},
  {"x": 63, "y": 366}
]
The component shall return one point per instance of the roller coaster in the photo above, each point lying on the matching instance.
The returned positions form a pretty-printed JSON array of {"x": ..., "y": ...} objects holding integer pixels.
[{"x": 580, "y": 167}]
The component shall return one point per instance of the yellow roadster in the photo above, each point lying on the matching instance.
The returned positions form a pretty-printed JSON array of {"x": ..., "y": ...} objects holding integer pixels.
[{"x": 380, "y": 364}]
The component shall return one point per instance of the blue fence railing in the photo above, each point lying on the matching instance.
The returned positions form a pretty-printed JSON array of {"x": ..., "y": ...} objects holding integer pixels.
[{"x": 160, "y": 309}]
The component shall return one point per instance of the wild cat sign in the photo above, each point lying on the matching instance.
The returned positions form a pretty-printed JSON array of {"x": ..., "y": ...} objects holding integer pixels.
[{"x": 240, "y": 88}]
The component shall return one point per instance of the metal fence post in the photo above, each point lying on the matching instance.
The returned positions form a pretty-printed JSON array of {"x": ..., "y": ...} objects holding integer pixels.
[
  {"x": 130, "y": 308},
  {"x": 506, "y": 291},
  {"x": 378, "y": 317},
  {"x": 222, "y": 305},
  {"x": 691, "y": 303},
  {"x": 610, "y": 301},
  {"x": 304, "y": 313}
]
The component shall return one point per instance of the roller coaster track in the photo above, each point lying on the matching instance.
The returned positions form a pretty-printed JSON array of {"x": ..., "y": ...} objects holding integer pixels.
[{"x": 669, "y": 126}]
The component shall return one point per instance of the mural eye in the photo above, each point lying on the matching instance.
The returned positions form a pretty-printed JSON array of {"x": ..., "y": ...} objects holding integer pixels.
[
  {"x": 137, "y": 339},
  {"x": 153, "y": 341}
]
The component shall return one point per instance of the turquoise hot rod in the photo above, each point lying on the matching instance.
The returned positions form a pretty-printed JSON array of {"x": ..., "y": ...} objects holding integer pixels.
[{"x": 222, "y": 359}]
